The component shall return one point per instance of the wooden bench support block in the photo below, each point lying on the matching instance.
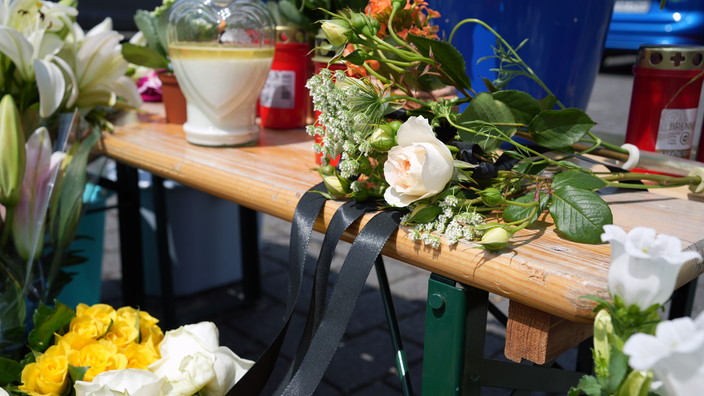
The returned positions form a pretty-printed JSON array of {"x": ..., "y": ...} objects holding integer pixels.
[{"x": 538, "y": 336}]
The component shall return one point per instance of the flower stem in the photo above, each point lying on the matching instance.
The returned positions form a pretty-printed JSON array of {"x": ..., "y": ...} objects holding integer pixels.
[
  {"x": 9, "y": 215},
  {"x": 375, "y": 74},
  {"x": 660, "y": 179},
  {"x": 608, "y": 145},
  {"x": 409, "y": 98},
  {"x": 390, "y": 26}
]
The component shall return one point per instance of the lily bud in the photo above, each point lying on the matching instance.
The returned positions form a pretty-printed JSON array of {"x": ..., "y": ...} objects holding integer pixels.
[
  {"x": 492, "y": 197},
  {"x": 495, "y": 239},
  {"x": 383, "y": 139},
  {"x": 602, "y": 328},
  {"x": 365, "y": 25},
  {"x": 12, "y": 153},
  {"x": 336, "y": 31},
  {"x": 637, "y": 383}
]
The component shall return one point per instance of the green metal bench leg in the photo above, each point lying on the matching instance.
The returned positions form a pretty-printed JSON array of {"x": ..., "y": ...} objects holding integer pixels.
[
  {"x": 453, "y": 356},
  {"x": 387, "y": 299}
]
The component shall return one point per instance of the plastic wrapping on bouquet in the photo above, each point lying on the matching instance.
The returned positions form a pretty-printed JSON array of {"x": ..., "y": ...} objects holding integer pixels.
[
  {"x": 664, "y": 101},
  {"x": 221, "y": 55},
  {"x": 283, "y": 102}
]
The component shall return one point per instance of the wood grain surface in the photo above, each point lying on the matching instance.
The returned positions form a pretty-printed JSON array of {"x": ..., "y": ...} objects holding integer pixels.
[{"x": 539, "y": 268}]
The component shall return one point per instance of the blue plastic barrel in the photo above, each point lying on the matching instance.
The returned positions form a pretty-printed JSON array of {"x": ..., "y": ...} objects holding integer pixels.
[{"x": 566, "y": 41}]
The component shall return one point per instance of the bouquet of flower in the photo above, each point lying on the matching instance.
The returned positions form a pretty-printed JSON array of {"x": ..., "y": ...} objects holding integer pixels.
[
  {"x": 98, "y": 350},
  {"x": 452, "y": 171},
  {"x": 48, "y": 66},
  {"x": 634, "y": 352}
]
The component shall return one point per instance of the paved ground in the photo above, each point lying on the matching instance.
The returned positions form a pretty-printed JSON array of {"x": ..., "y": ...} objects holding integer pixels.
[{"x": 364, "y": 363}]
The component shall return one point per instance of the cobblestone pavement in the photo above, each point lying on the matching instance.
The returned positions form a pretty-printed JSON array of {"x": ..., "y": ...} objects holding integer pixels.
[{"x": 364, "y": 364}]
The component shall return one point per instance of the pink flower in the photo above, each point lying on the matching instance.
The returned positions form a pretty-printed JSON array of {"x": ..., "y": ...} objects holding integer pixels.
[
  {"x": 30, "y": 212},
  {"x": 149, "y": 87}
]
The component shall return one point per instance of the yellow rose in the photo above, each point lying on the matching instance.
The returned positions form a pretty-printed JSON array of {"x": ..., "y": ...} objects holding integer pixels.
[
  {"x": 122, "y": 334},
  {"x": 74, "y": 340},
  {"x": 139, "y": 356},
  {"x": 88, "y": 326},
  {"x": 100, "y": 356},
  {"x": 102, "y": 312},
  {"x": 151, "y": 338},
  {"x": 47, "y": 377},
  {"x": 130, "y": 315}
]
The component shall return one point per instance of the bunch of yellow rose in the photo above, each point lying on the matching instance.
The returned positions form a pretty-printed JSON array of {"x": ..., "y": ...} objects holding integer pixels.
[{"x": 100, "y": 338}]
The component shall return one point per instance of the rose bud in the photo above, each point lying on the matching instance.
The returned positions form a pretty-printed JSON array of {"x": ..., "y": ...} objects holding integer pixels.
[
  {"x": 492, "y": 197},
  {"x": 495, "y": 239},
  {"x": 383, "y": 139},
  {"x": 336, "y": 31},
  {"x": 365, "y": 25}
]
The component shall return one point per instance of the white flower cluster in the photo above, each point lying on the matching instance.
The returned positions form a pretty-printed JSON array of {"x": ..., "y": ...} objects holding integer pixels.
[
  {"x": 338, "y": 125},
  {"x": 454, "y": 223}
]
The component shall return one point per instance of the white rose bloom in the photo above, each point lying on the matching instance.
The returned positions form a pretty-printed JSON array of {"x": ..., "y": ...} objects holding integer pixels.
[
  {"x": 419, "y": 167},
  {"x": 644, "y": 268},
  {"x": 3, "y": 392},
  {"x": 675, "y": 354},
  {"x": 133, "y": 382},
  {"x": 192, "y": 360}
]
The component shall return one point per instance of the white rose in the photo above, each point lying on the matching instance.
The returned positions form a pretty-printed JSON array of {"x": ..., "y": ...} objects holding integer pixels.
[
  {"x": 3, "y": 392},
  {"x": 133, "y": 382},
  {"x": 419, "y": 167},
  {"x": 644, "y": 268},
  {"x": 675, "y": 354},
  {"x": 193, "y": 360}
]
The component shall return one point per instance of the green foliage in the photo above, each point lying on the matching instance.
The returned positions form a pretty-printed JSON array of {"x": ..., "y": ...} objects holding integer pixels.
[
  {"x": 450, "y": 59},
  {"x": 516, "y": 213},
  {"x": 482, "y": 110},
  {"x": 523, "y": 106},
  {"x": 425, "y": 215},
  {"x": 530, "y": 168},
  {"x": 490, "y": 85},
  {"x": 147, "y": 24},
  {"x": 559, "y": 128},
  {"x": 10, "y": 371},
  {"x": 588, "y": 385},
  {"x": 578, "y": 179},
  {"x": 48, "y": 321},
  {"x": 77, "y": 373},
  {"x": 579, "y": 214},
  {"x": 618, "y": 366},
  {"x": 144, "y": 56},
  {"x": 548, "y": 102}
]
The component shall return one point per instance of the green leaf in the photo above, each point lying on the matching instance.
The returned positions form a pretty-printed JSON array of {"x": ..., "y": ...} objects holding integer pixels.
[
  {"x": 516, "y": 213},
  {"x": 578, "y": 179},
  {"x": 30, "y": 357},
  {"x": 490, "y": 85},
  {"x": 146, "y": 23},
  {"x": 291, "y": 13},
  {"x": 425, "y": 215},
  {"x": 523, "y": 106},
  {"x": 618, "y": 366},
  {"x": 559, "y": 128},
  {"x": 144, "y": 56},
  {"x": 580, "y": 214},
  {"x": 484, "y": 108},
  {"x": 42, "y": 336},
  {"x": 530, "y": 168},
  {"x": 450, "y": 59},
  {"x": 548, "y": 102},
  {"x": 77, "y": 373},
  {"x": 589, "y": 385},
  {"x": 10, "y": 371}
]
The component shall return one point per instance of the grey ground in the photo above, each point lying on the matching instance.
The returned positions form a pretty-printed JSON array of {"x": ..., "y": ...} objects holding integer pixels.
[{"x": 364, "y": 363}]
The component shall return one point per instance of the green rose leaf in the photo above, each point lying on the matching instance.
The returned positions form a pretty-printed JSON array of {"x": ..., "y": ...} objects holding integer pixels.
[
  {"x": 77, "y": 373},
  {"x": 516, "y": 213},
  {"x": 578, "y": 180},
  {"x": 548, "y": 102},
  {"x": 490, "y": 85},
  {"x": 484, "y": 108},
  {"x": 144, "y": 56},
  {"x": 147, "y": 24},
  {"x": 559, "y": 128},
  {"x": 530, "y": 168},
  {"x": 579, "y": 214},
  {"x": 292, "y": 14},
  {"x": 10, "y": 371},
  {"x": 523, "y": 106},
  {"x": 41, "y": 337},
  {"x": 450, "y": 59}
]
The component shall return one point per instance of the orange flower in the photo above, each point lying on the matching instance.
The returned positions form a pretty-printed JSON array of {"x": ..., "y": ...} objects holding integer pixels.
[
  {"x": 411, "y": 19},
  {"x": 358, "y": 71}
]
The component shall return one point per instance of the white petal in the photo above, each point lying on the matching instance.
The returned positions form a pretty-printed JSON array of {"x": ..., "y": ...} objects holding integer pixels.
[
  {"x": 74, "y": 86},
  {"x": 126, "y": 89},
  {"x": 437, "y": 168},
  {"x": 644, "y": 350},
  {"x": 133, "y": 381},
  {"x": 229, "y": 368},
  {"x": 16, "y": 47},
  {"x": 207, "y": 333},
  {"x": 99, "y": 61},
  {"x": 51, "y": 85},
  {"x": 51, "y": 44},
  {"x": 614, "y": 233},
  {"x": 104, "y": 26},
  {"x": 415, "y": 130}
]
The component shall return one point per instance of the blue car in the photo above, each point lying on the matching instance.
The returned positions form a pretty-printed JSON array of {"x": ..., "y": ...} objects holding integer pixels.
[{"x": 637, "y": 22}]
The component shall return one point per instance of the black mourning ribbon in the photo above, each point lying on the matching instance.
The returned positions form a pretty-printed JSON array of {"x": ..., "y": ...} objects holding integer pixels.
[
  {"x": 324, "y": 328},
  {"x": 484, "y": 170}
]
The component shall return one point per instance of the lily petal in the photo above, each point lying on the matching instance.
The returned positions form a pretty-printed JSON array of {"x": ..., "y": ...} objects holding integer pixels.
[
  {"x": 104, "y": 26},
  {"x": 16, "y": 47},
  {"x": 52, "y": 87},
  {"x": 51, "y": 45},
  {"x": 74, "y": 85},
  {"x": 125, "y": 88}
]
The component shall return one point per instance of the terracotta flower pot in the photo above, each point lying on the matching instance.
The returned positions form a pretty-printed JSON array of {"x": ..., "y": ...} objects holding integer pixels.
[{"x": 174, "y": 101}]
